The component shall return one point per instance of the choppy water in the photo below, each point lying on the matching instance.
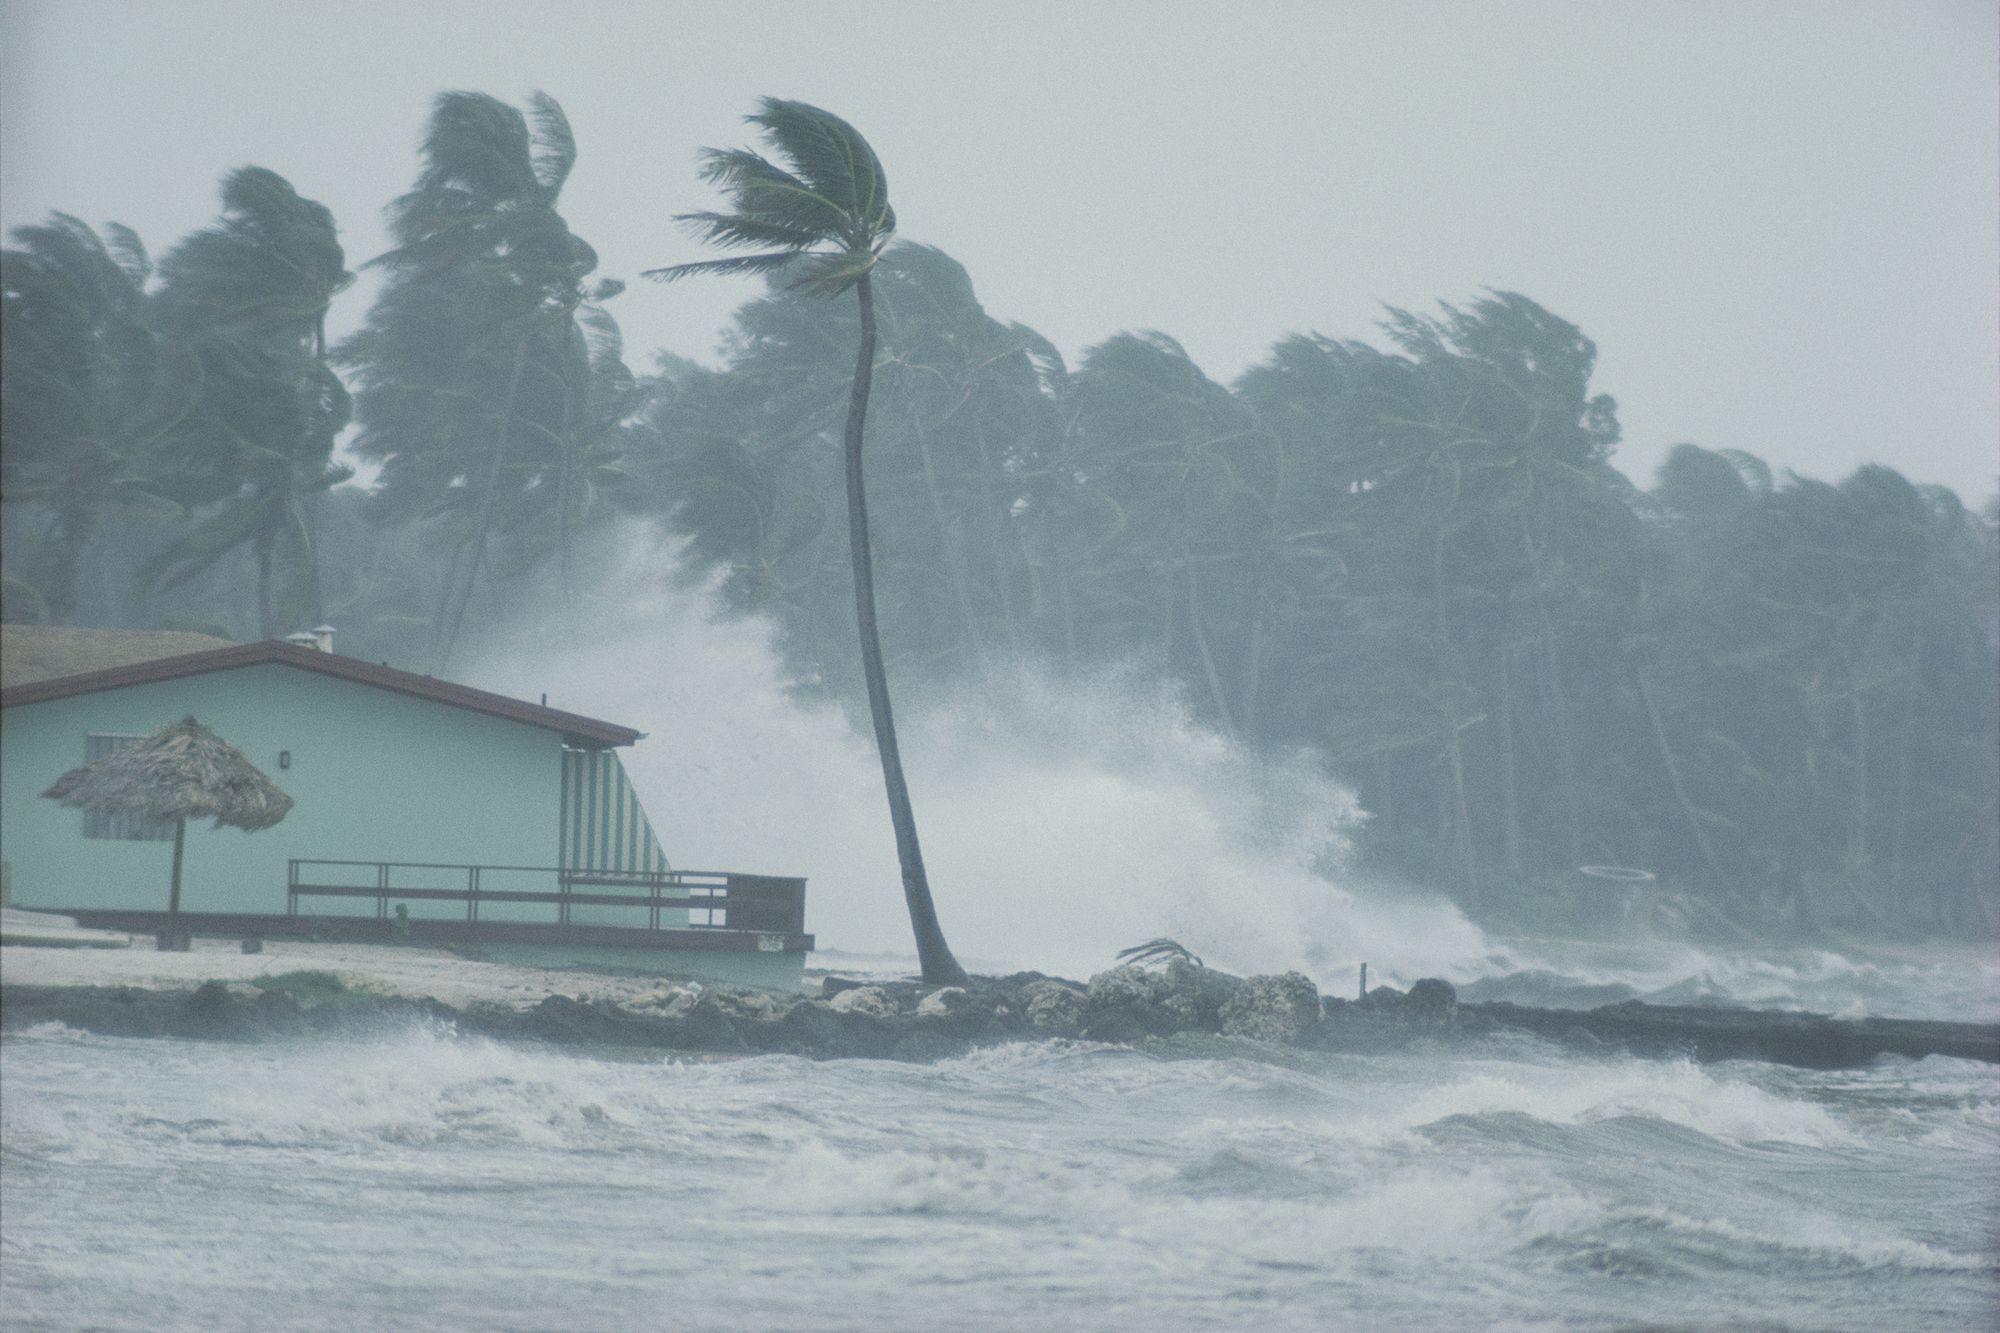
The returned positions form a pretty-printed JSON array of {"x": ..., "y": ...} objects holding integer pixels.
[{"x": 432, "y": 1182}]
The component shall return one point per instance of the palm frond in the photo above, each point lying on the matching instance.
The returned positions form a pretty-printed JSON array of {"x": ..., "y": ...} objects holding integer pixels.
[
  {"x": 553, "y": 150},
  {"x": 128, "y": 252},
  {"x": 770, "y": 193},
  {"x": 733, "y": 230},
  {"x": 832, "y": 274},
  {"x": 831, "y": 156},
  {"x": 736, "y": 264},
  {"x": 1153, "y": 951}
]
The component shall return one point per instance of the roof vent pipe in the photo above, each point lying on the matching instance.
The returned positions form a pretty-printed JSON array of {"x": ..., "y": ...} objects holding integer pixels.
[{"x": 323, "y": 638}]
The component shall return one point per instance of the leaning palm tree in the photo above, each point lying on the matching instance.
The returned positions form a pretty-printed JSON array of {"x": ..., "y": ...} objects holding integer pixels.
[
  {"x": 821, "y": 221},
  {"x": 180, "y": 772}
]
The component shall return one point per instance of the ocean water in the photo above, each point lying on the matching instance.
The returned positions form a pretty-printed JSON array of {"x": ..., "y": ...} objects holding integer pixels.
[{"x": 428, "y": 1181}]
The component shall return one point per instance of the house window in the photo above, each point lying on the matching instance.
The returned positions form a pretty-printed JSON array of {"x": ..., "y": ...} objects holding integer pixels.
[{"x": 128, "y": 828}]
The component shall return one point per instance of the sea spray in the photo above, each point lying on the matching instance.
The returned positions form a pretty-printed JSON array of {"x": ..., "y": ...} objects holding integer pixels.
[{"x": 1065, "y": 813}]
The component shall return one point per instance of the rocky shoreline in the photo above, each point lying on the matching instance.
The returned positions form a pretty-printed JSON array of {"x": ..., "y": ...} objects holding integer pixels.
[{"x": 1179, "y": 1006}]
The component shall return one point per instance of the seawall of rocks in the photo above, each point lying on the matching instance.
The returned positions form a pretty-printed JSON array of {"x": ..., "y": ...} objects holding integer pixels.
[{"x": 1177, "y": 1004}]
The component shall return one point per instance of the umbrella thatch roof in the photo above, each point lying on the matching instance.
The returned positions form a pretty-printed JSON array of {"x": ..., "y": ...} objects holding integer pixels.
[{"x": 184, "y": 771}]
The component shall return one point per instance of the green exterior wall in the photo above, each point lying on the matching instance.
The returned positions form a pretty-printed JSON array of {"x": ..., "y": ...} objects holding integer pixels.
[{"x": 375, "y": 775}]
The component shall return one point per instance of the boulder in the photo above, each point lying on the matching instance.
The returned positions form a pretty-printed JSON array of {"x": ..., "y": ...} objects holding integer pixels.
[
  {"x": 1281, "y": 1008},
  {"x": 1128, "y": 1022},
  {"x": 814, "y": 1028},
  {"x": 945, "y": 1002},
  {"x": 870, "y": 1000},
  {"x": 1124, "y": 985},
  {"x": 1052, "y": 1007},
  {"x": 1195, "y": 995},
  {"x": 1431, "y": 1000},
  {"x": 752, "y": 1006}
]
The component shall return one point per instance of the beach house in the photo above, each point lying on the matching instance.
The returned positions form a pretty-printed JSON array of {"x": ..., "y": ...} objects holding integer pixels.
[{"x": 424, "y": 810}]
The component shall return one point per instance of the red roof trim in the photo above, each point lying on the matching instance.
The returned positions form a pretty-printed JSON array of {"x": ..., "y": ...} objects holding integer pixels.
[{"x": 584, "y": 731}]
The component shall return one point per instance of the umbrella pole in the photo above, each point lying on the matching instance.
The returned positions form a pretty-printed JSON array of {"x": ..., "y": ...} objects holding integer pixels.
[{"x": 174, "y": 899}]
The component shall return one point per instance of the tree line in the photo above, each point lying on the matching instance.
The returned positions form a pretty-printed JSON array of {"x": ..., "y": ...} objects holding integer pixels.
[{"x": 1410, "y": 552}]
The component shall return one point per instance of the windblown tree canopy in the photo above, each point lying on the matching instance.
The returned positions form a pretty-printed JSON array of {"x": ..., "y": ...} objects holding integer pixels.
[
  {"x": 247, "y": 298},
  {"x": 90, "y": 388},
  {"x": 491, "y": 388},
  {"x": 1408, "y": 550}
]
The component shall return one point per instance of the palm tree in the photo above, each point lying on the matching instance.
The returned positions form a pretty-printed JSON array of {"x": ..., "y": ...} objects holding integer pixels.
[
  {"x": 822, "y": 219},
  {"x": 471, "y": 369},
  {"x": 248, "y": 297},
  {"x": 91, "y": 388}
]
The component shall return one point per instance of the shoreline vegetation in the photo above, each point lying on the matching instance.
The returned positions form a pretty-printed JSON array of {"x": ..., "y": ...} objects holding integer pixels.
[{"x": 1181, "y": 1008}]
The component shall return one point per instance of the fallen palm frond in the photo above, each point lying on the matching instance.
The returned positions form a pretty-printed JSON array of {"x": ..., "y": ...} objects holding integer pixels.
[{"x": 1154, "y": 951}]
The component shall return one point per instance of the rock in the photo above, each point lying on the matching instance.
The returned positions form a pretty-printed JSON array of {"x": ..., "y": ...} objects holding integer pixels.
[
  {"x": 1273, "y": 1008},
  {"x": 1197, "y": 994},
  {"x": 1123, "y": 985},
  {"x": 945, "y": 1002},
  {"x": 1381, "y": 997},
  {"x": 1052, "y": 1007},
  {"x": 871, "y": 1000},
  {"x": 753, "y": 1006},
  {"x": 1432, "y": 1000},
  {"x": 832, "y": 986},
  {"x": 1128, "y": 1022},
  {"x": 815, "y": 1029},
  {"x": 703, "y": 1027}
]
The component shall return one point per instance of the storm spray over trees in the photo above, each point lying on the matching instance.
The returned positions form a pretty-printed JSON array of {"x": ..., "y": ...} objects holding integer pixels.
[{"x": 1408, "y": 550}]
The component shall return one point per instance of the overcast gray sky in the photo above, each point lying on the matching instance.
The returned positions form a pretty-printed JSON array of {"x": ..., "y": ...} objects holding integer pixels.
[{"x": 1780, "y": 219}]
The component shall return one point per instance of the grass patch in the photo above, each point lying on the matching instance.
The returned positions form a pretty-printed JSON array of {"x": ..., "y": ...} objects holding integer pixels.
[{"x": 304, "y": 986}]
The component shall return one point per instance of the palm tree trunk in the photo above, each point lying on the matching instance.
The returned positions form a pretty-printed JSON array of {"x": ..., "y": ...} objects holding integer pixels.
[
  {"x": 265, "y": 628},
  {"x": 934, "y": 955},
  {"x": 1510, "y": 796},
  {"x": 1680, "y": 788},
  {"x": 486, "y": 507},
  {"x": 1200, "y": 633}
]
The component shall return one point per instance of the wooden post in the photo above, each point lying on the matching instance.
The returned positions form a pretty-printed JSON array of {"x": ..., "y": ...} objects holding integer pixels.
[
  {"x": 174, "y": 897},
  {"x": 173, "y": 939}
]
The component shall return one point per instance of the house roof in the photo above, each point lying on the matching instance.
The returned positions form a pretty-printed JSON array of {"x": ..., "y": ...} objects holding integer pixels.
[
  {"x": 29, "y": 653},
  {"x": 576, "y": 729}
]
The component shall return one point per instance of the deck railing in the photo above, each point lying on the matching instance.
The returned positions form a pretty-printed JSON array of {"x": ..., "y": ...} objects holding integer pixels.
[{"x": 713, "y": 899}]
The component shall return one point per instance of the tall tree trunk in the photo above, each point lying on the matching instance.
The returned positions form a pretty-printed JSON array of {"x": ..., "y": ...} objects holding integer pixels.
[
  {"x": 1202, "y": 649},
  {"x": 1461, "y": 811},
  {"x": 485, "y": 508},
  {"x": 62, "y": 551},
  {"x": 1002, "y": 513},
  {"x": 1674, "y": 776},
  {"x": 1510, "y": 797},
  {"x": 934, "y": 955},
  {"x": 971, "y": 640},
  {"x": 1558, "y": 700},
  {"x": 266, "y": 628}
]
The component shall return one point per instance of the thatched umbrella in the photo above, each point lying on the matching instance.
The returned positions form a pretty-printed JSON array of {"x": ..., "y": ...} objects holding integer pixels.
[{"x": 180, "y": 772}]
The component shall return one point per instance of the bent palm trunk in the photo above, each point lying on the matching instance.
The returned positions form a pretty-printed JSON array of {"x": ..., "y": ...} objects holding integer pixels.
[{"x": 939, "y": 967}]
